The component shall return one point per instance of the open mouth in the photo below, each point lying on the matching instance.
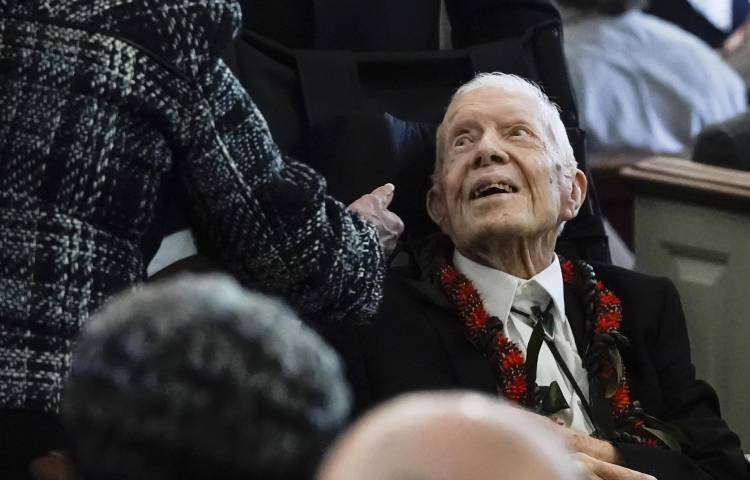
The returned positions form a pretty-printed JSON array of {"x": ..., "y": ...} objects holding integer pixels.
[{"x": 495, "y": 188}]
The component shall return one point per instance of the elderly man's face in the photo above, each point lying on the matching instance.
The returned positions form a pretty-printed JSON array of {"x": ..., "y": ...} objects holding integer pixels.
[{"x": 498, "y": 180}]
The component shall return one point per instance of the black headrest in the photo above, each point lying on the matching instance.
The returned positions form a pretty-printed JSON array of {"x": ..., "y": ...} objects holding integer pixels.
[{"x": 358, "y": 153}]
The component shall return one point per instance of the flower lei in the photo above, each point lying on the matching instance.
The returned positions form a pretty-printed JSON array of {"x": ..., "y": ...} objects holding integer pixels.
[{"x": 604, "y": 319}]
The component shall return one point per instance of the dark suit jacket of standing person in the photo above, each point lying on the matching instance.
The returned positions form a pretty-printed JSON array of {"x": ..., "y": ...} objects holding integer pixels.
[
  {"x": 389, "y": 25},
  {"x": 418, "y": 343}
]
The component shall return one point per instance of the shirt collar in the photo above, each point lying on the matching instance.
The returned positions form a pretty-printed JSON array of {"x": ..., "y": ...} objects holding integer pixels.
[{"x": 498, "y": 289}]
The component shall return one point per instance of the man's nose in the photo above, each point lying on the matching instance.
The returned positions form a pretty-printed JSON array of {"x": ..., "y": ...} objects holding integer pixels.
[{"x": 490, "y": 151}]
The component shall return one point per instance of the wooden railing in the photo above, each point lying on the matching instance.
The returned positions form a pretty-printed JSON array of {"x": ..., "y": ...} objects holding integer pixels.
[{"x": 690, "y": 181}]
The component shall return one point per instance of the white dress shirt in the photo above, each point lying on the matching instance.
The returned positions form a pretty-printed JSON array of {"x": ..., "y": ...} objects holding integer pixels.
[{"x": 501, "y": 291}]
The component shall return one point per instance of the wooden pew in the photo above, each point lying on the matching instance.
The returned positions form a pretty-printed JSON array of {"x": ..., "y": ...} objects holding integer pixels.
[{"x": 692, "y": 224}]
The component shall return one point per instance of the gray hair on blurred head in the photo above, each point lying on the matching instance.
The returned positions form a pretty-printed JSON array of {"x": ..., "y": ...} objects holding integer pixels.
[{"x": 194, "y": 375}]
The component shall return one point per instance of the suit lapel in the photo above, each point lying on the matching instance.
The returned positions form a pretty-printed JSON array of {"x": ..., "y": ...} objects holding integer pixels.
[
  {"x": 576, "y": 318},
  {"x": 471, "y": 370}
]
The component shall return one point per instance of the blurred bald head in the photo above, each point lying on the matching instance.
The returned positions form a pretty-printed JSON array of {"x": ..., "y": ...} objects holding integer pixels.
[{"x": 436, "y": 436}]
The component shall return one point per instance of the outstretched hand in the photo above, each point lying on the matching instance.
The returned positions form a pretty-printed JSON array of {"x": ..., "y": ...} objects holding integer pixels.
[{"x": 374, "y": 208}]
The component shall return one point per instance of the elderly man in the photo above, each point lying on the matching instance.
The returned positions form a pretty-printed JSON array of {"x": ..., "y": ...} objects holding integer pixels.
[
  {"x": 449, "y": 436},
  {"x": 488, "y": 305}
]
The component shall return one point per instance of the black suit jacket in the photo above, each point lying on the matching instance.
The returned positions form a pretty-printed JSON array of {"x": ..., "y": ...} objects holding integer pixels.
[
  {"x": 390, "y": 25},
  {"x": 417, "y": 343}
]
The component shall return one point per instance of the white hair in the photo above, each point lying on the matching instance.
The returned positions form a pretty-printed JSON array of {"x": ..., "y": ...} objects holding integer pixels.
[{"x": 558, "y": 147}]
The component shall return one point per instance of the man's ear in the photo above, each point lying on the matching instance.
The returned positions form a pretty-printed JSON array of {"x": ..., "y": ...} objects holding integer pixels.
[
  {"x": 436, "y": 206},
  {"x": 574, "y": 199}
]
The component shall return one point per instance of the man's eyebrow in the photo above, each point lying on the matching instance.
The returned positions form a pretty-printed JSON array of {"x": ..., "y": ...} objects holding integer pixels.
[
  {"x": 463, "y": 124},
  {"x": 512, "y": 121}
]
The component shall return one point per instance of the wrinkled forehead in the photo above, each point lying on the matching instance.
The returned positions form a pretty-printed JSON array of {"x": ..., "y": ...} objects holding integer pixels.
[{"x": 496, "y": 104}]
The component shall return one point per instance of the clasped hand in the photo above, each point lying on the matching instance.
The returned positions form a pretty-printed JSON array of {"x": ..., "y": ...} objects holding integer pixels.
[{"x": 599, "y": 459}]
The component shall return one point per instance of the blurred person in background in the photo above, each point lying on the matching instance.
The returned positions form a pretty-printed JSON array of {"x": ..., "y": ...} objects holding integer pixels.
[
  {"x": 451, "y": 436},
  {"x": 196, "y": 378},
  {"x": 641, "y": 82}
]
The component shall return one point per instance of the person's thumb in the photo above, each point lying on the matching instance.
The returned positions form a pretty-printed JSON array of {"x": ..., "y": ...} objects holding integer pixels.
[{"x": 384, "y": 194}]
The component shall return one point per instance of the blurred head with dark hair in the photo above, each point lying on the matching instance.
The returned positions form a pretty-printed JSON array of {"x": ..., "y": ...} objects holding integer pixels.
[
  {"x": 197, "y": 378},
  {"x": 604, "y": 7}
]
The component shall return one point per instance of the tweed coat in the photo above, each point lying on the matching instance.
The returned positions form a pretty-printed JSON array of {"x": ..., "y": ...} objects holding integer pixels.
[{"x": 107, "y": 108}]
